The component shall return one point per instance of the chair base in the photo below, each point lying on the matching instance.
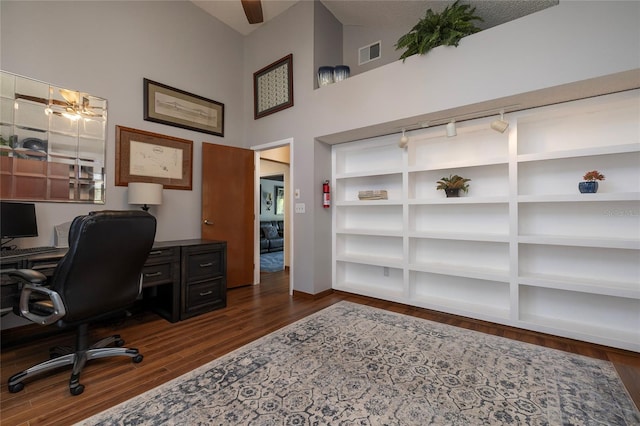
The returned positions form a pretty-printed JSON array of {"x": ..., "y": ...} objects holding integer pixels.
[{"x": 63, "y": 356}]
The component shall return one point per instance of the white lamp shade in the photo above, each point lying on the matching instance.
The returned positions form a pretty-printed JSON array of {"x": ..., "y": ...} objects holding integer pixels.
[{"x": 145, "y": 193}]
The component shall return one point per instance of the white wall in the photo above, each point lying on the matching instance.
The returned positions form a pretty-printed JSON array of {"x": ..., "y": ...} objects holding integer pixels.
[{"x": 106, "y": 48}]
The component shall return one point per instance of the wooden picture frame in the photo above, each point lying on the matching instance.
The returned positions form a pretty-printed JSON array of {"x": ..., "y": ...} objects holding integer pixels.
[
  {"x": 273, "y": 87},
  {"x": 143, "y": 156},
  {"x": 175, "y": 107}
]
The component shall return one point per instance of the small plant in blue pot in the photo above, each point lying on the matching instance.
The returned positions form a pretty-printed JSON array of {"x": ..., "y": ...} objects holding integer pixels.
[{"x": 590, "y": 184}]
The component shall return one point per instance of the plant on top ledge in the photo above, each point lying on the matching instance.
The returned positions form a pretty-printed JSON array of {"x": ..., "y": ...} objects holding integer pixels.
[
  {"x": 453, "y": 184},
  {"x": 439, "y": 29},
  {"x": 590, "y": 184}
]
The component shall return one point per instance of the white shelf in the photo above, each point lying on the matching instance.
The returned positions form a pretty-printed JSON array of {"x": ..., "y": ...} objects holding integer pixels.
[
  {"x": 460, "y": 200},
  {"x": 372, "y": 231},
  {"x": 584, "y": 152},
  {"x": 460, "y": 164},
  {"x": 615, "y": 243},
  {"x": 461, "y": 236},
  {"x": 610, "y": 288},
  {"x": 368, "y": 173},
  {"x": 368, "y": 203},
  {"x": 385, "y": 262},
  {"x": 392, "y": 294},
  {"x": 609, "y": 336},
  {"x": 523, "y": 247},
  {"x": 554, "y": 198},
  {"x": 466, "y": 309},
  {"x": 487, "y": 274}
]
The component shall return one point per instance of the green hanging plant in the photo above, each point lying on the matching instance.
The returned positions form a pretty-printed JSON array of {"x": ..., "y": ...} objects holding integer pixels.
[{"x": 439, "y": 29}]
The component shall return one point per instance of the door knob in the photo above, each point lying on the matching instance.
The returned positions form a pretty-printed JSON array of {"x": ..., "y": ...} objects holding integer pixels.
[{"x": 206, "y": 222}]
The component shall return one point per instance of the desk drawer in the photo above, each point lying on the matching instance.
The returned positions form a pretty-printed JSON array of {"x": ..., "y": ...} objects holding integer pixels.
[
  {"x": 205, "y": 296},
  {"x": 204, "y": 265},
  {"x": 9, "y": 293},
  {"x": 168, "y": 252},
  {"x": 157, "y": 274}
]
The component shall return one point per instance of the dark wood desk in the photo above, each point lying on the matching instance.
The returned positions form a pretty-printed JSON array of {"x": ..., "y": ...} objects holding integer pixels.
[{"x": 181, "y": 278}]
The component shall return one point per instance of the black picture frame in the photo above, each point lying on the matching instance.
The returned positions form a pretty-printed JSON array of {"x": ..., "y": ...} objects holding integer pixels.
[
  {"x": 273, "y": 87},
  {"x": 174, "y": 107}
]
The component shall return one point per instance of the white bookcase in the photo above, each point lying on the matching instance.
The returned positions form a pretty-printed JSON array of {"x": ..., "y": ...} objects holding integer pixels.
[{"x": 523, "y": 247}]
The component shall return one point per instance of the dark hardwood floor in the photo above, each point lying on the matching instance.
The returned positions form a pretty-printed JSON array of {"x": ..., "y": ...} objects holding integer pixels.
[{"x": 174, "y": 349}]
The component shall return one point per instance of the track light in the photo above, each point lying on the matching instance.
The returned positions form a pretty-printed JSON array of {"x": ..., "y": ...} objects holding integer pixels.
[
  {"x": 404, "y": 140},
  {"x": 451, "y": 128},
  {"x": 500, "y": 125}
]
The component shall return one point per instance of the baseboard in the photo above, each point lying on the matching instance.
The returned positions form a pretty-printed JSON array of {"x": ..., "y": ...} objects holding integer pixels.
[{"x": 304, "y": 295}]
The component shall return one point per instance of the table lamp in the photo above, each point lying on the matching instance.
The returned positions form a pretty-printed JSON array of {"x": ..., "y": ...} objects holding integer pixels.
[{"x": 145, "y": 193}]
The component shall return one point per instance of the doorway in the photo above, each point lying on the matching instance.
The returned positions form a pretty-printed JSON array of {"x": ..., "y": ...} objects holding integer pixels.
[{"x": 273, "y": 204}]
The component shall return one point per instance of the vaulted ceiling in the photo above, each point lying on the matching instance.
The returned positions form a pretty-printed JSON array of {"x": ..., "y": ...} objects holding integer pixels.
[{"x": 375, "y": 13}]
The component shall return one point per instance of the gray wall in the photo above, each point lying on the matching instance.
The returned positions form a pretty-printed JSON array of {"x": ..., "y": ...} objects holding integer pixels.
[
  {"x": 357, "y": 37},
  {"x": 106, "y": 48},
  {"x": 327, "y": 39},
  {"x": 116, "y": 44}
]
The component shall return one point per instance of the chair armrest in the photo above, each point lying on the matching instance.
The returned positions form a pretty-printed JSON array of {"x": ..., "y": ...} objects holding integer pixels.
[
  {"x": 33, "y": 284},
  {"x": 28, "y": 275},
  {"x": 58, "y": 307}
]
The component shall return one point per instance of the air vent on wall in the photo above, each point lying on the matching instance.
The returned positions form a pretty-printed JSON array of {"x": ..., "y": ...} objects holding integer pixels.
[{"x": 369, "y": 53}]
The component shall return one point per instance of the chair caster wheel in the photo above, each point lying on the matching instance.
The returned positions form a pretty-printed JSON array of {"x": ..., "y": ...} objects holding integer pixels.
[
  {"x": 77, "y": 390},
  {"x": 137, "y": 359},
  {"x": 119, "y": 343},
  {"x": 16, "y": 388}
]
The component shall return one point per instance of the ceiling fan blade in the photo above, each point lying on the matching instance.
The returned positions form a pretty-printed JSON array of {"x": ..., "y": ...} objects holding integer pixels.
[{"x": 253, "y": 10}]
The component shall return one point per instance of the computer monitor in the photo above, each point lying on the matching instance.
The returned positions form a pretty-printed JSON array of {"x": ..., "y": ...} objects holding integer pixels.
[{"x": 18, "y": 220}]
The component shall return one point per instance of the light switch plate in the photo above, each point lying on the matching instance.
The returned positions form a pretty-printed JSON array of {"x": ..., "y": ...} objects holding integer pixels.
[
  {"x": 296, "y": 193},
  {"x": 300, "y": 207}
]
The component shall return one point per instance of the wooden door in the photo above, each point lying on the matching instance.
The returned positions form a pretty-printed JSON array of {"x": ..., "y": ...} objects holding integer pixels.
[{"x": 227, "y": 207}]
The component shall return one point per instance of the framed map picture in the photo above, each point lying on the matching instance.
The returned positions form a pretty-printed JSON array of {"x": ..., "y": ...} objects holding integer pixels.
[
  {"x": 273, "y": 87},
  {"x": 150, "y": 157}
]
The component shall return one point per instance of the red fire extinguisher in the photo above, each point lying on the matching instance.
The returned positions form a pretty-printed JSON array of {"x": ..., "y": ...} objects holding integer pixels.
[{"x": 326, "y": 195}]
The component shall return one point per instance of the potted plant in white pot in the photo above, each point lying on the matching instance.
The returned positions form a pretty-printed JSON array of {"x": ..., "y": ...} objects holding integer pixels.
[{"x": 590, "y": 183}]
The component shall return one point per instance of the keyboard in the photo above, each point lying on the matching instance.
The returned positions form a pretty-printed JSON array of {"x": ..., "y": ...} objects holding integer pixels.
[{"x": 26, "y": 251}]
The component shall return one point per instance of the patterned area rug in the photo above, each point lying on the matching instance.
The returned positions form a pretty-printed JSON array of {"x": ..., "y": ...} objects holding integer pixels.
[
  {"x": 272, "y": 262},
  {"x": 350, "y": 364}
]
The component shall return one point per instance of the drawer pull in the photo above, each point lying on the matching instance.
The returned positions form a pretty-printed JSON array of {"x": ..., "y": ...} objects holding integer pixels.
[
  {"x": 153, "y": 274},
  {"x": 206, "y": 265},
  {"x": 153, "y": 253},
  {"x": 206, "y": 293}
]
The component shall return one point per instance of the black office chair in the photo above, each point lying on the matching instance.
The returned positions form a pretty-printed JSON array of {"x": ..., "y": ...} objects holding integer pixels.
[{"x": 100, "y": 275}]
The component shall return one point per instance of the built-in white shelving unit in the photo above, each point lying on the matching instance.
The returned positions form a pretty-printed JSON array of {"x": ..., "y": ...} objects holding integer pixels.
[{"x": 523, "y": 247}]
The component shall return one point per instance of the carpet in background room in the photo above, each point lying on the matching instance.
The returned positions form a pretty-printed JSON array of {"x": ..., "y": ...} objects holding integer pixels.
[
  {"x": 272, "y": 262},
  {"x": 351, "y": 364}
]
